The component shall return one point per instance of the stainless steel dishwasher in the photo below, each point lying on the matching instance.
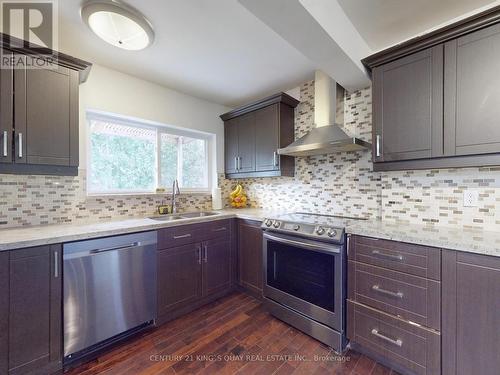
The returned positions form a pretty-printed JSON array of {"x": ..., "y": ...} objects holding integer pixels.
[{"x": 109, "y": 290}]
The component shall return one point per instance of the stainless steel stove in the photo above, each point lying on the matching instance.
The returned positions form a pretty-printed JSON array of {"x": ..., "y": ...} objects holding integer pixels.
[{"x": 305, "y": 273}]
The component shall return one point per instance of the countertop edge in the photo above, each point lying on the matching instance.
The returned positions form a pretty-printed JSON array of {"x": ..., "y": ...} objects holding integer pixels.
[
  {"x": 461, "y": 245},
  {"x": 103, "y": 229}
]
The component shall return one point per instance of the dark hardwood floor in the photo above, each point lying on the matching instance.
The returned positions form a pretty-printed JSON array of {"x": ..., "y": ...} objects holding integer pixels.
[{"x": 233, "y": 335}]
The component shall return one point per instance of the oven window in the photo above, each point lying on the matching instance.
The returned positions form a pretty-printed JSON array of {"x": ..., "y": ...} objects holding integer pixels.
[{"x": 305, "y": 274}]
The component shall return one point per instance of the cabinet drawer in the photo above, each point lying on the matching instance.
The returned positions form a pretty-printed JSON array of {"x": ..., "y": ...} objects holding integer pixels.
[
  {"x": 179, "y": 235},
  {"x": 410, "y": 297},
  {"x": 399, "y": 342},
  {"x": 416, "y": 260},
  {"x": 217, "y": 229}
]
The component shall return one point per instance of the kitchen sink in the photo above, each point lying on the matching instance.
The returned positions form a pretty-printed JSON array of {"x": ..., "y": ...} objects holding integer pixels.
[
  {"x": 188, "y": 215},
  {"x": 167, "y": 218},
  {"x": 199, "y": 214}
]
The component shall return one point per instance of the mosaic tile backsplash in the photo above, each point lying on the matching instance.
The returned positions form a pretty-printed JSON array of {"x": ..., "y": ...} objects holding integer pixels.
[
  {"x": 337, "y": 184},
  {"x": 345, "y": 183},
  {"x": 39, "y": 200}
]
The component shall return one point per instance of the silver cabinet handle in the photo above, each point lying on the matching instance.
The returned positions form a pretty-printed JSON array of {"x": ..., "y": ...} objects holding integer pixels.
[
  {"x": 56, "y": 264},
  {"x": 275, "y": 159},
  {"x": 378, "y": 254},
  {"x": 397, "y": 342},
  {"x": 5, "y": 143},
  {"x": 378, "y": 289},
  {"x": 236, "y": 162},
  {"x": 219, "y": 229},
  {"x": 20, "y": 146},
  {"x": 378, "y": 146},
  {"x": 182, "y": 236},
  {"x": 205, "y": 256},
  {"x": 198, "y": 250},
  {"x": 239, "y": 162}
]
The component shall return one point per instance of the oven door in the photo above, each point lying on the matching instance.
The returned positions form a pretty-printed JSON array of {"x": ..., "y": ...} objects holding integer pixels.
[{"x": 306, "y": 276}]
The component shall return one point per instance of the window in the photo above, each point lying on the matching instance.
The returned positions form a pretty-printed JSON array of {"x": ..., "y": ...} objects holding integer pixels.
[{"x": 128, "y": 156}]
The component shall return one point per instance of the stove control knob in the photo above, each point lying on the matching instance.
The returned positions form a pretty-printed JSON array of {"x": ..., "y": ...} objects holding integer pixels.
[
  {"x": 332, "y": 233},
  {"x": 276, "y": 224},
  {"x": 320, "y": 231},
  {"x": 268, "y": 222},
  {"x": 296, "y": 227}
]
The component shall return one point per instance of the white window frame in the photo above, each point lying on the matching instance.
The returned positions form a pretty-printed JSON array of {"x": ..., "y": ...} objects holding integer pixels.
[{"x": 209, "y": 139}]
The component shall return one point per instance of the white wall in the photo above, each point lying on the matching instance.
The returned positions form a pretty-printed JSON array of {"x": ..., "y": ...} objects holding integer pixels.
[{"x": 115, "y": 92}]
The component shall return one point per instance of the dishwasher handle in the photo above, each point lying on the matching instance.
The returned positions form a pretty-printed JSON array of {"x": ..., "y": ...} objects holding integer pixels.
[{"x": 114, "y": 248}]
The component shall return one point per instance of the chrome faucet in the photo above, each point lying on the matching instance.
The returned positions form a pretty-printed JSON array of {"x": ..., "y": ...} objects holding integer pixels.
[{"x": 175, "y": 193}]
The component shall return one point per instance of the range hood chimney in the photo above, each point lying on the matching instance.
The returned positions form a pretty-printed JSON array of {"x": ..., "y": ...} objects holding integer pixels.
[{"x": 327, "y": 137}]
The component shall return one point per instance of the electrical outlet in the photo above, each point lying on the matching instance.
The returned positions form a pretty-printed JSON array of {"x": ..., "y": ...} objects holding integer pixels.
[{"x": 470, "y": 198}]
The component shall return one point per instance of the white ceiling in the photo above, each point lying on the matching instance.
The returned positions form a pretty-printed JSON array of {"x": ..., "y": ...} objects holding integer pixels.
[
  {"x": 219, "y": 51},
  {"x": 382, "y": 23},
  {"x": 213, "y": 49}
]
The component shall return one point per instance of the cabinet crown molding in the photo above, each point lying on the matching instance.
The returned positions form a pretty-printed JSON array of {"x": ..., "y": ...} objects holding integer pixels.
[
  {"x": 261, "y": 103},
  {"x": 83, "y": 67}
]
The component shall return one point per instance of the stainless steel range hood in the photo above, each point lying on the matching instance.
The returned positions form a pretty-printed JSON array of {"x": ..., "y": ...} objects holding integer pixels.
[{"x": 327, "y": 137}]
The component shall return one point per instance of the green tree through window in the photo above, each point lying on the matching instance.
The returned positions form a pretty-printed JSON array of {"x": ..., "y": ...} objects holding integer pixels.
[{"x": 123, "y": 158}]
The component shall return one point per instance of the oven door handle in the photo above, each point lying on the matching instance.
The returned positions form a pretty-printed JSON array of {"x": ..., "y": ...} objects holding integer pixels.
[{"x": 328, "y": 249}]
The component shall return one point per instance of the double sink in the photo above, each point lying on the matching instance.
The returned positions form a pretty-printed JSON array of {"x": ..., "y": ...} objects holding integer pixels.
[{"x": 187, "y": 215}]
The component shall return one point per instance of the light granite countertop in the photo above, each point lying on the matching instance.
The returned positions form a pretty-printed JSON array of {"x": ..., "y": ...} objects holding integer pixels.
[
  {"x": 473, "y": 241},
  {"x": 17, "y": 238}
]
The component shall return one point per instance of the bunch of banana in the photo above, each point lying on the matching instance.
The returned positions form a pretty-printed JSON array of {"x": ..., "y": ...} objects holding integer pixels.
[{"x": 238, "y": 197}]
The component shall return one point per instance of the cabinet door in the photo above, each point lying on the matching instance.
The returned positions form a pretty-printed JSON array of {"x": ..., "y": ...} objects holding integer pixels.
[
  {"x": 246, "y": 143},
  {"x": 267, "y": 139},
  {"x": 471, "y": 314},
  {"x": 250, "y": 256},
  {"x": 471, "y": 93},
  {"x": 231, "y": 145},
  {"x": 6, "y": 111},
  {"x": 46, "y": 116},
  {"x": 179, "y": 277},
  {"x": 4, "y": 312},
  {"x": 216, "y": 266},
  {"x": 408, "y": 110},
  {"x": 35, "y": 310}
]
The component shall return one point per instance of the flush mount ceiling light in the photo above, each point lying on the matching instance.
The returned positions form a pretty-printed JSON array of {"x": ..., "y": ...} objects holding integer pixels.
[{"x": 118, "y": 24}]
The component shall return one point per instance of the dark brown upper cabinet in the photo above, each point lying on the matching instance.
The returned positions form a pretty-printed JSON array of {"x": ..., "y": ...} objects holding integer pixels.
[
  {"x": 246, "y": 143},
  {"x": 6, "y": 111},
  {"x": 408, "y": 96},
  {"x": 39, "y": 113},
  {"x": 472, "y": 93},
  {"x": 46, "y": 117},
  {"x": 253, "y": 135},
  {"x": 435, "y": 98}
]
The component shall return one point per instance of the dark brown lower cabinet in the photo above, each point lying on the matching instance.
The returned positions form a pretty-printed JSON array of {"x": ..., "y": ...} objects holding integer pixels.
[
  {"x": 394, "y": 303},
  {"x": 4, "y": 312},
  {"x": 250, "y": 243},
  {"x": 407, "y": 347},
  {"x": 216, "y": 266},
  {"x": 35, "y": 310},
  {"x": 471, "y": 314},
  {"x": 179, "y": 277},
  {"x": 192, "y": 274}
]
